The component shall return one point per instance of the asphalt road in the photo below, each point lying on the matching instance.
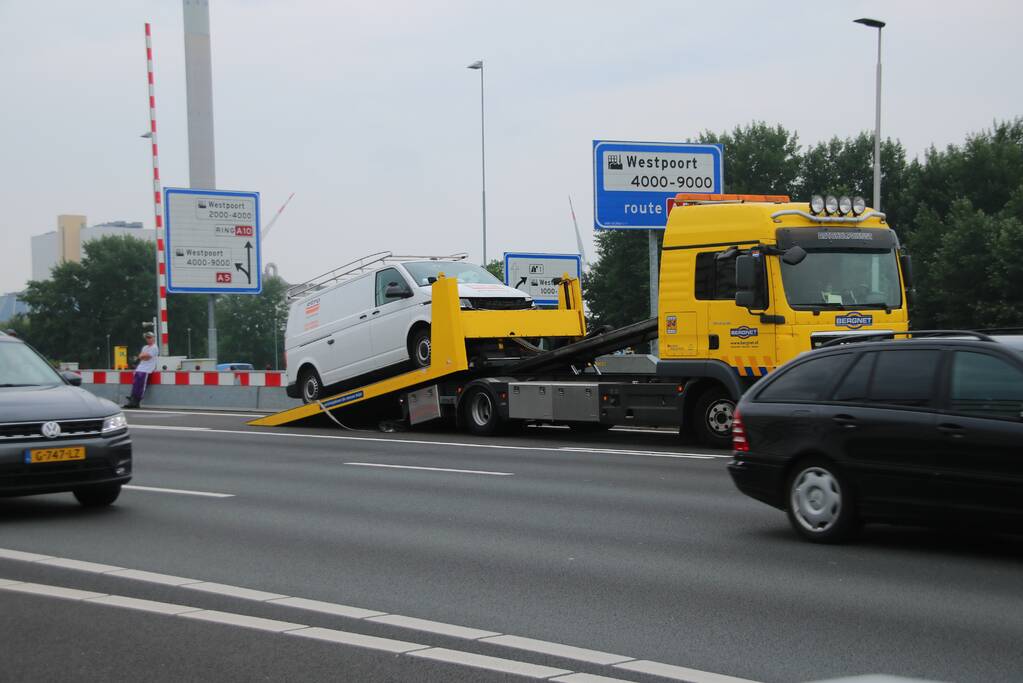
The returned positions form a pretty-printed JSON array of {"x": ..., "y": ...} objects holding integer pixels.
[{"x": 629, "y": 545}]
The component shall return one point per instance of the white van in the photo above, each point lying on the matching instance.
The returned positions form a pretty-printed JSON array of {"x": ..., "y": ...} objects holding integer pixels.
[{"x": 371, "y": 318}]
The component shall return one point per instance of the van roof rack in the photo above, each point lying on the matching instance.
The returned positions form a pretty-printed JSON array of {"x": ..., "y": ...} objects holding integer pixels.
[
  {"x": 360, "y": 266},
  {"x": 915, "y": 334}
]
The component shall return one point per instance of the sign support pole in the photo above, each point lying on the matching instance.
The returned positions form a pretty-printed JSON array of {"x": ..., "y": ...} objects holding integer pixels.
[
  {"x": 199, "y": 98},
  {"x": 652, "y": 247}
]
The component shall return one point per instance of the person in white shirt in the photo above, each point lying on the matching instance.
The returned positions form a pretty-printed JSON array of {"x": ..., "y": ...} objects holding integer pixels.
[{"x": 147, "y": 364}]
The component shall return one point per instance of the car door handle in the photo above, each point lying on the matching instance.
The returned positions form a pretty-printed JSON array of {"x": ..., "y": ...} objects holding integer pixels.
[
  {"x": 847, "y": 421},
  {"x": 375, "y": 312},
  {"x": 363, "y": 316},
  {"x": 952, "y": 430},
  {"x": 330, "y": 341}
]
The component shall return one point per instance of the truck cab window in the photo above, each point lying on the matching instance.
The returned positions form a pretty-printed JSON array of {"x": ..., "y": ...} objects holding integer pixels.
[{"x": 715, "y": 278}]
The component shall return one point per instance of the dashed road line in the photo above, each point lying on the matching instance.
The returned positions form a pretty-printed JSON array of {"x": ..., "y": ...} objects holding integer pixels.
[
  {"x": 430, "y": 469},
  {"x": 490, "y": 663},
  {"x": 182, "y": 492}
]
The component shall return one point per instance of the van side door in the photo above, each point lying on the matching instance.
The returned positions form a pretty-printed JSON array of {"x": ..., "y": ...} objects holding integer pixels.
[{"x": 347, "y": 310}]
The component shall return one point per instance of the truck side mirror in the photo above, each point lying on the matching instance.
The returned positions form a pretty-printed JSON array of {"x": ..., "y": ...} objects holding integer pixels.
[
  {"x": 907, "y": 270},
  {"x": 793, "y": 256},
  {"x": 396, "y": 291},
  {"x": 747, "y": 282}
]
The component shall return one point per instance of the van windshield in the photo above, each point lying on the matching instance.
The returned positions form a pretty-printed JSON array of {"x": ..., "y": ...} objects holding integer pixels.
[
  {"x": 843, "y": 279},
  {"x": 20, "y": 366},
  {"x": 422, "y": 271}
]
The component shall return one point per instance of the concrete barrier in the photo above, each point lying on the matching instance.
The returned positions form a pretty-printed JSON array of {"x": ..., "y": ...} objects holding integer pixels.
[{"x": 254, "y": 390}]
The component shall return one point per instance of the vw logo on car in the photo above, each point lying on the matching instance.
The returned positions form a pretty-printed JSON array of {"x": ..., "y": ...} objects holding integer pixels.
[{"x": 51, "y": 430}]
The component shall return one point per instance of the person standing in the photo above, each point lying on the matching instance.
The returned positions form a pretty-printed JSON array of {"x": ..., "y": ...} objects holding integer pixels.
[{"x": 147, "y": 364}]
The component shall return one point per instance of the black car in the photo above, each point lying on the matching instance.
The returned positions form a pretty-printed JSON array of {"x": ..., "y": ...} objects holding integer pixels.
[
  {"x": 55, "y": 436},
  {"x": 927, "y": 430}
]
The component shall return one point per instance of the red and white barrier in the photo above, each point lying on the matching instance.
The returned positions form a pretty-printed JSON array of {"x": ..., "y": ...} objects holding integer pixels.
[{"x": 206, "y": 379}]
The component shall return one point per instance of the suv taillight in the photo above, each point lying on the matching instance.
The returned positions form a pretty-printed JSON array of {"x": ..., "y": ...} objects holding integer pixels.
[{"x": 739, "y": 442}]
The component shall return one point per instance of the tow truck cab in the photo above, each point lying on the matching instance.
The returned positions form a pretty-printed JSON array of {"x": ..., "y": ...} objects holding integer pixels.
[{"x": 748, "y": 282}]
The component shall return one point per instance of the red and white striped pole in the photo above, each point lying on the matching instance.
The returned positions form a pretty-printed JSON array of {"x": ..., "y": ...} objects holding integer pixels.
[{"x": 161, "y": 261}]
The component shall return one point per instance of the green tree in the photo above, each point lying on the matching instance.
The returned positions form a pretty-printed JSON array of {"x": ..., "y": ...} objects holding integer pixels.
[
  {"x": 496, "y": 268},
  {"x": 251, "y": 324},
  {"x": 759, "y": 159},
  {"x": 617, "y": 286}
]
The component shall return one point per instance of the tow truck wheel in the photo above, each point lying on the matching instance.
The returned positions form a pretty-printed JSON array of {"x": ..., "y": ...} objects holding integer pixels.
[
  {"x": 479, "y": 412},
  {"x": 311, "y": 385},
  {"x": 712, "y": 418},
  {"x": 419, "y": 347}
]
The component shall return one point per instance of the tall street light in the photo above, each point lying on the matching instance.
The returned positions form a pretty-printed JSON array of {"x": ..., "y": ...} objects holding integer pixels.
[
  {"x": 875, "y": 23},
  {"x": 478, "y": 66}
]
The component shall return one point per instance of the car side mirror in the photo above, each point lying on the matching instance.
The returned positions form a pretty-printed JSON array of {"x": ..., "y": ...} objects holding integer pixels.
[
  {"x": 793, "y": 256},
  {"x": 747, "y": 284},
  {"x": 396, "y": 291},
  {"x": 72, "y": 378}
]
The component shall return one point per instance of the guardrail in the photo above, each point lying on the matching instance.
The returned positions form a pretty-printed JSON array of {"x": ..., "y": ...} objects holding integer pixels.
[{"x": 236, "y": 390}]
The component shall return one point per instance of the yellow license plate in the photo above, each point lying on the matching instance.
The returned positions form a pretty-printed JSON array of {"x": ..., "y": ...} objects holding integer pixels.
[{"x": 55, "y": 454}]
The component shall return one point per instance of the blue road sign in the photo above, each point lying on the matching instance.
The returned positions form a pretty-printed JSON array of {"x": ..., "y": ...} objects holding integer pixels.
[
  {"x": 212, "y": 242},
  {"x": 632, "y": 181},
  {"x": 534, "y": 274}
]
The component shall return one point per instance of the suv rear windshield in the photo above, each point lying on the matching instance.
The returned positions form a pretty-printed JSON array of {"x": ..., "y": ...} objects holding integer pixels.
[
  {"x": 20, "y": 366},
  {"x": 422, "y": 271}
]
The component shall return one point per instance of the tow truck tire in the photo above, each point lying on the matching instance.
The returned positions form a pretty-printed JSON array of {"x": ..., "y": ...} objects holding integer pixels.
[
  {"x": 419, "y": 347},
  {"x": 479, "y": 412},
  {"x": 712, "y": 418},
  {"x": 310, "y": 385}
]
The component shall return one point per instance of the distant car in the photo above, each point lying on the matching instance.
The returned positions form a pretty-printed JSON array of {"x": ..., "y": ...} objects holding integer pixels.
[
  {"x": 228, "y": 367},
  {"x": 926, "y": 431},
  {"x": 55, "y": 436}
]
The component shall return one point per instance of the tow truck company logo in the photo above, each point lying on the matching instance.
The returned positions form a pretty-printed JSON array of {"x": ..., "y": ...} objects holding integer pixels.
[
  {"x": 854, "y": 320},
  {"x": 614, "y": 162},
  {"x": 744, "y": 332}
]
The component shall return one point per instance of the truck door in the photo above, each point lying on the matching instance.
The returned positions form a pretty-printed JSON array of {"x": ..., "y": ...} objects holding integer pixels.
[{"x": 735, "y": 335}]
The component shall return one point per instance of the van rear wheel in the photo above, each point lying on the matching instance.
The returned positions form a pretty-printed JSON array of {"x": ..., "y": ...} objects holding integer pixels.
[
  {"x": 419, "y": 347},
  {"x": 312, "y": 387}
]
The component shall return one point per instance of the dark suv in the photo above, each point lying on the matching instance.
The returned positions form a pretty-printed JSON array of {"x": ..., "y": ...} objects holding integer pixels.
[
  {"x": 55, "y": 436},
  {"x": 927, "y": 430}
]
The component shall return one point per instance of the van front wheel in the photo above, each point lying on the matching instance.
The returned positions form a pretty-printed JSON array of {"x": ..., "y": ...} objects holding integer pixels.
[{"x": 311, "y": 386}]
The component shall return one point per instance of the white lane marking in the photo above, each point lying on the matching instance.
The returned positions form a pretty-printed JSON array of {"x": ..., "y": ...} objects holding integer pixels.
[
  {"x": 172, "y": 428},
  {"x": 435, "y": 627},
  {"x": 679, "y": 673},
  {"x": 653, "y": 454},
  {"x": 588, "y": 678},
  {"x": 243, "y": 620},
  {"x": 195, "y": 412},
  {"x": 557, "y": 649},
  {"x": 642, "y": 666},
  {"x": 93, "y": 567},
  {"x": 142, "y": 605},
  {"x": 358, "y": 640},
  {"x": 183, "y": 492},
  {"x": 430, "y": 469},
  {"x": 326, "y": 608},
  {"x": 22, "y": 556},
  {"x": 419, "y": 442},
  {"x": 233, "y": 591},
  {"x": 490, "y": 663},
  {"x": 153, "y": 577},
  {"x": 51, "y": 591}
]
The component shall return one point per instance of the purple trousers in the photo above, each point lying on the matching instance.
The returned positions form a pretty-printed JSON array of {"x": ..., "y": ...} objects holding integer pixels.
[{"x": 138, "y": 386}]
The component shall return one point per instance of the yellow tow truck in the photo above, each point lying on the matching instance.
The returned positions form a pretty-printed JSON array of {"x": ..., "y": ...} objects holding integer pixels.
[{"x": 747, "y": 282}]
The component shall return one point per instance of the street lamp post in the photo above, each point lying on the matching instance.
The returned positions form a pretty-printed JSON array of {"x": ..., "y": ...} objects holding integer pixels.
[
  {"x": 875, "y": 23},
  {"x": 109, "y": 359},
  {"x": 189, "y": 342},
  {"x": 478, "y": 66}
]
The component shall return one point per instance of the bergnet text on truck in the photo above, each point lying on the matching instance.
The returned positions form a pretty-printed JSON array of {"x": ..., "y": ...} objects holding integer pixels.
[{"x": 747, "y": 282}]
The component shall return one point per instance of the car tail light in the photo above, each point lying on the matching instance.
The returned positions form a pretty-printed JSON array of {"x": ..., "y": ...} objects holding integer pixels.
[{"x": 739, "y": 442}]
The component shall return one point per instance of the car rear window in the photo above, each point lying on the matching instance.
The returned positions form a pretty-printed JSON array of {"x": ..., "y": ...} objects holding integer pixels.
[
  {"x": 807, "y": 381},
  {"x": 986, "y": 386},
  {"x": 904, "y": 377},
  {"x": 853, "y": 387}
]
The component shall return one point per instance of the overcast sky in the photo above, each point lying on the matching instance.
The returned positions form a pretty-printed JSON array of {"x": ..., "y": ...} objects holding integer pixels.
[{"x": 367, "y": 113}]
